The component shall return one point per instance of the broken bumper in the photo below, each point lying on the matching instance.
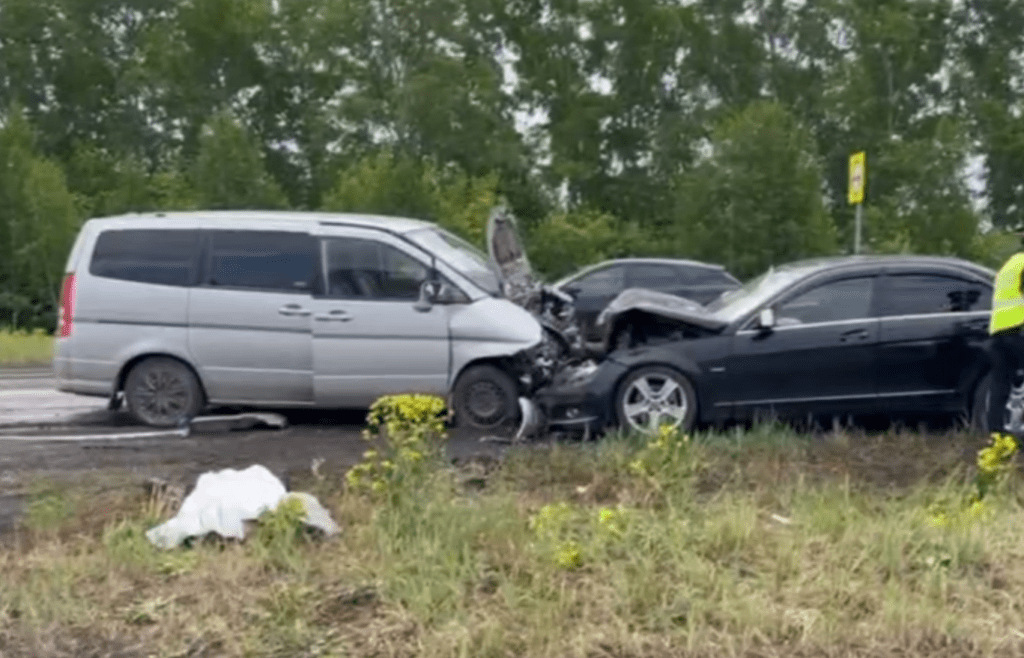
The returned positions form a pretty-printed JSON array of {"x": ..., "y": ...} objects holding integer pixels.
[{"x": 582, "y": 399}]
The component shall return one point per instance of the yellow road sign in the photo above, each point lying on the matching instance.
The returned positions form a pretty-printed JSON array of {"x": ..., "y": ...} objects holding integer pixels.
[{"x": 858, "y": 177}]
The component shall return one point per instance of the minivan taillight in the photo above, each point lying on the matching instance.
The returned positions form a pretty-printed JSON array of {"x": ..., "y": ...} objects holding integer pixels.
[{"x": 67, "y": 305}]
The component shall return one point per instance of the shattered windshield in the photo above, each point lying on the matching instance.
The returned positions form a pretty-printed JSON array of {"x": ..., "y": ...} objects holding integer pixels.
[
  {"x": 458, "y": 254},
  {"x": 734, "y": 304}
]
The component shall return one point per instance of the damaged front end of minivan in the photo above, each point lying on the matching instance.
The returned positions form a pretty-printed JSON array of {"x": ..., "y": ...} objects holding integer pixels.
[
  {"x": 561, "y": 347},
  {"x": 562, "y": 361}
]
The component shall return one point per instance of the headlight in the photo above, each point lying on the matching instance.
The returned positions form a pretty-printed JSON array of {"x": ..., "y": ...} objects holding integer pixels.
[{"x": 578, "y": 375}]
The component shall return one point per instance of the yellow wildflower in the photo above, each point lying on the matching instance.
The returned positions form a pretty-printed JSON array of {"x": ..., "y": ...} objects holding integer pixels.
[{"x": 569, "y": 556}]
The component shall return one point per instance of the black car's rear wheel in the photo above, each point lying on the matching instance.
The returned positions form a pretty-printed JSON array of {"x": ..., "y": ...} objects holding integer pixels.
[
  {"x": 654, "y": 396},
  {"x": 979, "y": 401},
  {"x": 163, "y": 392}
]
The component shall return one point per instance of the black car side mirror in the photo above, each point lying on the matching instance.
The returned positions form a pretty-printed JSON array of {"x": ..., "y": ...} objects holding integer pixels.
[{"x": 766, "y": 320}]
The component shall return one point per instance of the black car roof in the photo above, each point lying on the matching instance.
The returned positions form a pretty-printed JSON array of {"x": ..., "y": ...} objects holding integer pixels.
[{"x": 835, "y": 262}]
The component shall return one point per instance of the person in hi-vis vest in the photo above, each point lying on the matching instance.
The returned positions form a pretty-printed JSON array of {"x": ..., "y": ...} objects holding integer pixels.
[{"x": 1007, "y": 339}]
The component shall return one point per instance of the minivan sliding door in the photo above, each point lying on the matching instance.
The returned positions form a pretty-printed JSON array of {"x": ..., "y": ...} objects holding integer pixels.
[{"x": 249, "y": 318}]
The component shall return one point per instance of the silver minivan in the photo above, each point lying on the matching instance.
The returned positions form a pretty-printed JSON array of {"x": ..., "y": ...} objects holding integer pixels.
[{"x": 173, "y": 312}]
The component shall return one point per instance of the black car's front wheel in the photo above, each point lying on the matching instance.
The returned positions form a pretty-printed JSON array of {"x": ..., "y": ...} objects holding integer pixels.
[{"x": 654, "y": 396}]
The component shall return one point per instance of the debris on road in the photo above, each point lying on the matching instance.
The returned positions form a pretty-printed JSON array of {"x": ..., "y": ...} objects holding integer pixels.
[
  {"x": 223, "y": 501},
  {"x": 108, "y": 436},
  {"x": 238, "y": 422}
]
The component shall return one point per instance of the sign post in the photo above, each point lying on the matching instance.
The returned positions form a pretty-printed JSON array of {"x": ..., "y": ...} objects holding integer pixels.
[{"x": 858, "y": 179}]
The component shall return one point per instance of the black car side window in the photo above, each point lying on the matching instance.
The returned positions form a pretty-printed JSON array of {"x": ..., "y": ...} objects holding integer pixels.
[
  {"x": 657, "y": 277},
  {"x": 608, "y": 281},
  {"x": 920, "y": 294},
  {"x": 845, "y": 299}
]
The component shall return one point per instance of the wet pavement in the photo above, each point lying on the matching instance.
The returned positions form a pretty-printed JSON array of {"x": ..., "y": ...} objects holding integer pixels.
[{"x": 29, "y": 396}]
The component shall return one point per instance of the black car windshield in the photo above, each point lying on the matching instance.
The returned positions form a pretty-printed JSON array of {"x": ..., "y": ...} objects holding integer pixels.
[
  {"x": 734, "y": 304},
  {"x": 458, "y": 254}
]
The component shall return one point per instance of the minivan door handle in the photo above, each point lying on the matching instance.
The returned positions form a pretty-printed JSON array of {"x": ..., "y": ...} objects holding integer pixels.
[
  {"x": 294, "y": 310},
  {"x": 337, "y": 315}
]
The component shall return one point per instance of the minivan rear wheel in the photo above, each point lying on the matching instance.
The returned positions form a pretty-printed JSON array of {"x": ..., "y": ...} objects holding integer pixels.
[
  {"x": 163, "y": 392},
  {"x": 485, "y": 398}
]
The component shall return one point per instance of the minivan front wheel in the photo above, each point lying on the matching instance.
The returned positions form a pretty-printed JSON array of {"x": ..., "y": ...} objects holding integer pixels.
[
  {"x": 163, "y": 392},
  {"x": 485, "y": 398}
]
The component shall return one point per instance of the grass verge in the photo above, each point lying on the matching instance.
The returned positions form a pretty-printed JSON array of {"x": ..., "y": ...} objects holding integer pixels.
[
  {"x": 750, "y": 543},
  {"x": 18, "y": 348}
]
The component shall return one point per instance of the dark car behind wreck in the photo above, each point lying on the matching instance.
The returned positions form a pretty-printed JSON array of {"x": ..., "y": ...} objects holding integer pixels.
[{"x": 848, "y": 335}]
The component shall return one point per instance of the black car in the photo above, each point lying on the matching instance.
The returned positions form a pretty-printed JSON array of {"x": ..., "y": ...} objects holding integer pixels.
[
  {"x": 593, "y": 287},
  {"x": 848, "y": 335}
]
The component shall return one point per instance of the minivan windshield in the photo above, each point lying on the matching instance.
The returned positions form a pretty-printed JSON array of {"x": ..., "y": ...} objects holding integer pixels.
[{"x": 458, "y": 254}]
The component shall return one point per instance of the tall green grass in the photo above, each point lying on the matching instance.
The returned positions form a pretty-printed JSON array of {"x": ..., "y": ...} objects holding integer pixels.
[
  {"x": 751, "y": 543},
  {"x": 25, "y": 348}
]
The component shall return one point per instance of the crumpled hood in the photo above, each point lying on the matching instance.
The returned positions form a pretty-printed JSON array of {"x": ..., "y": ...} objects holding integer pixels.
[{"x": 661, "y": 304}]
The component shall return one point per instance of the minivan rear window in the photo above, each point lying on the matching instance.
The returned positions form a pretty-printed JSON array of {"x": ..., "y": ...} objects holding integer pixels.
[
  {"x": 163, "y": 256},
  {"x": 263, "y": 260}
]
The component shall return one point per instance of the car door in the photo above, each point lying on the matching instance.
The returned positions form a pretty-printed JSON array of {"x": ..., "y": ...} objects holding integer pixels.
[
  {"x": 593, "y": 292},
  {"x": 819, "y": 355},
  {"x": 932, "y": 337},
  {"x": 369, "y": 339},
  {"x": 249, "y": 319}
]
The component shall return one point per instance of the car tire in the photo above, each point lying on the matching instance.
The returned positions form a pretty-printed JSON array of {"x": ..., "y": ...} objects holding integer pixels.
[
  {"x": 163, "y": 392},
  {"x": 980, "y": 400},
  {"x": 485, "y": 398},
  {"x": 652, "y": 396}
]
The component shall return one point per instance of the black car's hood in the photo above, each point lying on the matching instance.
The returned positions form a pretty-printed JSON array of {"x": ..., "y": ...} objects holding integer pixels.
[{"x": 660, "y": 304}]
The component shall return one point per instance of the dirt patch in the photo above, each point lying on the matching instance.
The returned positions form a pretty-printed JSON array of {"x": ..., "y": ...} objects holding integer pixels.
[{"x": 331, "y": 441}]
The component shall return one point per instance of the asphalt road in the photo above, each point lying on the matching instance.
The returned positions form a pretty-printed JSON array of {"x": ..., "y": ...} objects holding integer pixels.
[
  {"x": 48, "y": 434},
  {"x": 29, "y": 396}
]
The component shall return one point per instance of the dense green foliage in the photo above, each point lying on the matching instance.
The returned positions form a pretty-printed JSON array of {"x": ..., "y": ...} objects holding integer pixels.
[{"x": 710, "y": 129}]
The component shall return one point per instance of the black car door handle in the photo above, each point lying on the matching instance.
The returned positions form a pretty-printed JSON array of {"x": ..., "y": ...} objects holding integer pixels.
[{"x": 859, "y": 334}]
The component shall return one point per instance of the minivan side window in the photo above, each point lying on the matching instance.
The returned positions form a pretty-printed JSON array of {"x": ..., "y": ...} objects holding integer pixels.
[
  {"x": 367, "y": 269},
  {"x": 279, "y": 261},
  {"x": 167, "y": 257}
]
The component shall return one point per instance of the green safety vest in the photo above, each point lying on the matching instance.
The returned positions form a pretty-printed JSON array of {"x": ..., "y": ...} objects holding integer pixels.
[{"x": 1007, "y": 300}]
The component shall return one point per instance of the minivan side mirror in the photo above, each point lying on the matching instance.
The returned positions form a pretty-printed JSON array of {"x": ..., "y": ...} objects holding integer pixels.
[
  {"x": 429, "y": 291},
  {"x": 766, "y": 319}
]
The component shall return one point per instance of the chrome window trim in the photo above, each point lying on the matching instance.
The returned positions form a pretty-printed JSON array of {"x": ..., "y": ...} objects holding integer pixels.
[
  {"x": 745, "y": 332},
  {"x": 941, "y": 314}
]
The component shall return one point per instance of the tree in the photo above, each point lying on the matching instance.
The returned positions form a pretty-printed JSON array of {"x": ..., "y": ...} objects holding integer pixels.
[
  {"x": 756, "y": 200},
  {"x": 389, "y": 184},
  {"x": 229, "y": 170},
  {"x": 991, "y": 42},
  {"x": 928, "y": 208},
  {"x": 39, "y": 219}
]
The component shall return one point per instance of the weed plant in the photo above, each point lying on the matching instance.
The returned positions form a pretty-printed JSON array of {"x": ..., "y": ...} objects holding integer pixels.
[{"x": 744, "y": 543}]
